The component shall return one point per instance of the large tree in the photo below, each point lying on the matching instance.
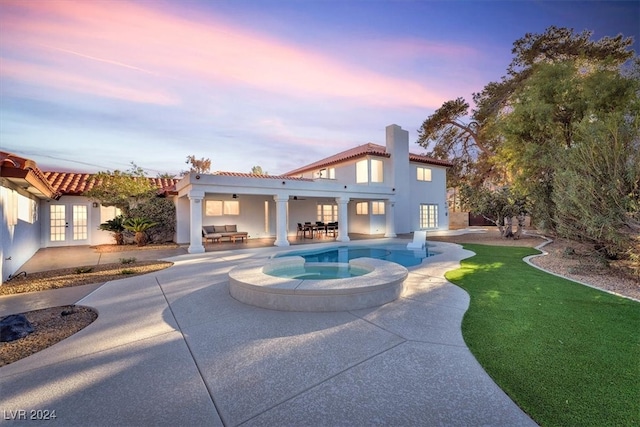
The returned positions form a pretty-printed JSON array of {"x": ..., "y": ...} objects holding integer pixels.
[
  {"x": 597, "y": 191},
  {"x": 470, "y": 142},
  {"x": 542, "y": 125}
]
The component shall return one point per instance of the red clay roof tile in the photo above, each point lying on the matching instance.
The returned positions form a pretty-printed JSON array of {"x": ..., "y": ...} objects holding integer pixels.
[
  {"x": 369, "y": 149},
  {"x": 75, "y": 184}
]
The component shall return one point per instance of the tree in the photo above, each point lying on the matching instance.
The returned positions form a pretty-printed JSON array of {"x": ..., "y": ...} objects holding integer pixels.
[
  {"x": 597, "y": 191},
  {"x": 197, "y": 166},
  {"x": 499, "y": 206},
  {"x": 123, "y": 190},
  {"x": 471, "y": 144},
  {"x": 542, "y": 126},
  {"x": 257, "y": 170},
  {"x": 467, "y": 145}
]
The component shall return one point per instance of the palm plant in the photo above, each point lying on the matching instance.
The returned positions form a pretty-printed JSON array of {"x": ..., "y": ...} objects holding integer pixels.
[
  {"x": 115, "y": 226},
  {"x": 139, "y": 226}
]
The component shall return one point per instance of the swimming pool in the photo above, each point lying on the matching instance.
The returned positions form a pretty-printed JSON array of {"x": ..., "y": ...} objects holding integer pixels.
[{"x": 397, "y": 253}]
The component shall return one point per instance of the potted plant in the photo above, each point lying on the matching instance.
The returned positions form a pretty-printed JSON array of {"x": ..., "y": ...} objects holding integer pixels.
[
  {"x": 115, "y": 226},
  {"x": 139, "y": 226}
]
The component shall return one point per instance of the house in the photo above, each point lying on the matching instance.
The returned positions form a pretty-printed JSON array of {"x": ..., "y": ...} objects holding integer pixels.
[{"x": 370, "y": 189}]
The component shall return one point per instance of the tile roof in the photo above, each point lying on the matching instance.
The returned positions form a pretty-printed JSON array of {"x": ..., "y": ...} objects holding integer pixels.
[
  {"x": 359, "y": 151},
  {"x": 14, "y": 167},
  {"x": 252, "y": 175},
  {"x": 75, "y": 184},
  {"x": 369, "y": 149}
]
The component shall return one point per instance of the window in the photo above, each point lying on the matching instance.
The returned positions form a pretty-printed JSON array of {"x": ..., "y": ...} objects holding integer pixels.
[
  {"x": 80, "y": 222},
  {"x": 377, "y": 208},
  {"x": 27, "y": 209},
  {"x": 362, "y": 171},
  {"x": 213, "y": 208},
  {"x": 57, "y": 223},
  {"x": 424, "y": 174},
  {"x": 377, "y": 174},
  {"x": 219, "y": 207},
  {"x": 12, "y": 211},
  {"x": 362, "y": 208},
  {"x": 231, "y": 207},
  {"x": 365, "y": 175},
  {"x": 428, "y": 216},
  {"x": 327, "y": 213},
  {"x": 327, "y": 173}
]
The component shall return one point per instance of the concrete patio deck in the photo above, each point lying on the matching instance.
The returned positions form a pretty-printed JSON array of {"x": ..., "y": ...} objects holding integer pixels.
[{"x": 174, "y": 348}]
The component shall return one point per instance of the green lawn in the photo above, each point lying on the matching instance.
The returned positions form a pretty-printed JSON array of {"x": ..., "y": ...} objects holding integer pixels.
[{"x": 567, "y": 354}]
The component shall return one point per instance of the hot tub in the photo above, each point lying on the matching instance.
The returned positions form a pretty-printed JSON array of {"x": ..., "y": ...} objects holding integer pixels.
[{"x": 378, "y": 282}]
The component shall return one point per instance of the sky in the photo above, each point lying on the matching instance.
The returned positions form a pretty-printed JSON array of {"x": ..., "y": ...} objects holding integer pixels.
[{"x": 94, "y": 85}]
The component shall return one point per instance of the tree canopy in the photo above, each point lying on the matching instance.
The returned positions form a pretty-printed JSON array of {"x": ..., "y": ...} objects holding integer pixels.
[
  {"x": 470, "y": 141},
  {"x": 560, "y": 129},
  {"x": 122, "y": 189},
  {"x": 198, "y": 165}
]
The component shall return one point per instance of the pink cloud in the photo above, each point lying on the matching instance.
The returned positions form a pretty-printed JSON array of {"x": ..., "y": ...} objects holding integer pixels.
[{"x": 116, "y": 40}]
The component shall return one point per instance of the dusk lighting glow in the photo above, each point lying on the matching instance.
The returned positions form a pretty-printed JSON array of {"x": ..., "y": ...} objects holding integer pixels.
[{"x": 93, "y": 85}]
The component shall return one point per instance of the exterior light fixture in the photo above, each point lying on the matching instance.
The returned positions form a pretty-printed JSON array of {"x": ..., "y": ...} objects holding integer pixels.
[
  {"x": 235, "y": 196},
  {"x": 95, "y": 204}
]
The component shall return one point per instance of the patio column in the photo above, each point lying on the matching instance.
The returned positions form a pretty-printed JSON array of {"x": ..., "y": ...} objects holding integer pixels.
[
  {"x": 281, "y": 220},
  {"x": 389, "y": 210},
  {"x": 195, "y": 221},
  {"x": 343, "y": 219}
]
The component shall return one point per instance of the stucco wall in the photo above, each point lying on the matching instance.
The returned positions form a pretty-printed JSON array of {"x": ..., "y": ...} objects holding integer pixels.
[{"x": 21, "y": 240}]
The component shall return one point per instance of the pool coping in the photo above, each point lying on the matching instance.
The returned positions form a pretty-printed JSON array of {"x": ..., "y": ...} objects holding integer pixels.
[{"x": 250, "y": 284}]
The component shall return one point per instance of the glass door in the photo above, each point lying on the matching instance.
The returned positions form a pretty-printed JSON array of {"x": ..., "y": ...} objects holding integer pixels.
[
  {"x": 428, "y": 216},
  {"x": 68, "y": 225}
]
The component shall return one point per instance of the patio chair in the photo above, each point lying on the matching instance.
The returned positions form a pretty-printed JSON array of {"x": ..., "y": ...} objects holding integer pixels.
[
  {"x": 419, "y": 240},
  {"x": 331, "y": 228}
]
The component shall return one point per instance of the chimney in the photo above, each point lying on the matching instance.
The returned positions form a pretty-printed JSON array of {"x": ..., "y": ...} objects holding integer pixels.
[{"x": 399, "y": 174}]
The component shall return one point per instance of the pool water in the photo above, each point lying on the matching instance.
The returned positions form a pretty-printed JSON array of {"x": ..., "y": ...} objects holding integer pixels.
[
  {"x": 319, "y": 272},
  {"x": 397, "y": 253}
]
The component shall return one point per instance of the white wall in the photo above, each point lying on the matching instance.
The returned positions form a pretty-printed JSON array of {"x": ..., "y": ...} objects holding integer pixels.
[
  {"x": 431, "y": 192},
  {"x": 95, "y": 217},
  {"x": 20, "y": 222}
]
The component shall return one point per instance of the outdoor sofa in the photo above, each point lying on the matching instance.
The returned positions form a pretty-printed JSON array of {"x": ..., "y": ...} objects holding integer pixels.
[{"x": 216, "y": 233}]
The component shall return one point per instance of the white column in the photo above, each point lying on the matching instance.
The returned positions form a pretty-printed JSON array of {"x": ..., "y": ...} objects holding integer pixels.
[
  {"x": 343, "y": 219},
  {"x": 389, "y": 210},
  {"x": 195, "y": 223},
  {"x": 281, "y": 220}
]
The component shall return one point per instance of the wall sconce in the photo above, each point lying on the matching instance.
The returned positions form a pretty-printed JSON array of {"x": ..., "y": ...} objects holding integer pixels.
[
  {"x": 283, "y": 183},
  {"x": 197, "y": 176},
  {"x": 295, "y": 197},
  {"x": 393, "y": 189},
  {"x": 235, "y": 196},
  {"x": 345, "y": 187},
  {"x": 95, "y": 204}
]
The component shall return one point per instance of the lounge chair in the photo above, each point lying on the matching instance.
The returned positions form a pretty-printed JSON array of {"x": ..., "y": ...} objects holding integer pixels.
[{"x": 419, "y": 240}]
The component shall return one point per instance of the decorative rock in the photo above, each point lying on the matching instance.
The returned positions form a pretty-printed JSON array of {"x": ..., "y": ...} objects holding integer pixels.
[{"x": 14, "y": 327}]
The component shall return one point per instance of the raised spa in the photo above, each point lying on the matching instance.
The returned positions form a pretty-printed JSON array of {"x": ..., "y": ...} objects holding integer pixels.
[
  {"x": 318, "y": 271},
  {"x": 290, "y": 284}
]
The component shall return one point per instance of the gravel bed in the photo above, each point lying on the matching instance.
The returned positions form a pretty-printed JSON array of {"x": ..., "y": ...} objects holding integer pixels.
[{"x": 50, "y": 325}]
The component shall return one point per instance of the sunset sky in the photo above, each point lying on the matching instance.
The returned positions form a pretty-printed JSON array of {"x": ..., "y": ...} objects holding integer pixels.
[{"x": 94, "y": 85}]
